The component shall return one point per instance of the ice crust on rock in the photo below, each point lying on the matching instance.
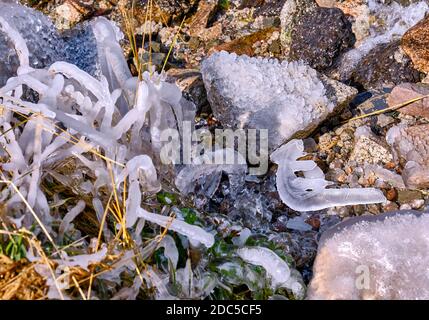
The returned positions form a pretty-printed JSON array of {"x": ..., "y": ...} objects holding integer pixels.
[
  {"x": 41, "y": 37},
  {"x": 309, "y": 193},
  {"x": 85, "y": 46},
  {"x": 392, "y": 20},
  {"x": 374, "y": 257},
  {"x": 284, "y": 97}
]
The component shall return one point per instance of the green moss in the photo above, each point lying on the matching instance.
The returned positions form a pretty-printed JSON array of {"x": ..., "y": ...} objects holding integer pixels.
[{"x": 224, "y": 4}]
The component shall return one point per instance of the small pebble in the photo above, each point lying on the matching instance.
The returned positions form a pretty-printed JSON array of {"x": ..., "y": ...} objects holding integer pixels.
[{"x": 405, "y": 207}]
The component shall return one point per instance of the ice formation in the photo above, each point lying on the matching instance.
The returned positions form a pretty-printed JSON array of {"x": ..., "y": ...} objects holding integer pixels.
[
  {"x": 278, "y": 270},
  {"x": 385, "y": 23},
  {"x": 206, "y": 170},
  {"x": 374, "y": 257},
  {"x": 309, "y": 193},
  {"x": 284, "y": 98},
  {"x": 195, "y": 234},
  {"x": 107, "y": 123},
  {"x": 44, "y": 43}
]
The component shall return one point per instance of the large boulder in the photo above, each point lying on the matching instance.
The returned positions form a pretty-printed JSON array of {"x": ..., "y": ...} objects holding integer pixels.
[{"x": 290, "y": 99}]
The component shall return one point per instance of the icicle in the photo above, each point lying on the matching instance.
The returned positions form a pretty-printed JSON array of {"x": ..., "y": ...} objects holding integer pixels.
[
  {"x": 196, "y": 235},
  {"x": 66, "y": 223},
  {"x": 276, "y": 268}
]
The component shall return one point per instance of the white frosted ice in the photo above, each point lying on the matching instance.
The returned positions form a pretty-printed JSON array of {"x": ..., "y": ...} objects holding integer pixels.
[
  {"x": 18, "y": 43},
  {"x": 309, "y": 193},
  {"x": 66, "y": 223},
  {"x": 374, "y": 257},
  {"x": 170, "y": 249},
  {"x": 107, "y": 124},
  {"x": 84, "y": 260}
]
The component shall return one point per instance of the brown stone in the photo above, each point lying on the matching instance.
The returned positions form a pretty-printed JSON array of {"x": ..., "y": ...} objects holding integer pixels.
[
  {"x": 390, "y": 206},
  {"x": 245, "y": 45},
  {"x": 191, "y": 84},
  {"x": 407, "y": 196},
  {"x": 416, "y": 44},
  {"x": 68, "y": 15},
  {"x": 392, "y": 195},
  {"x": 197, "y": 25},
  {"x": 251, "y": 3},
  {"x": 314, "y": 222},
  {"x": 409, "y": 91},
  {"x": 349, "y": 7},
  {"x": 387, "y": 64}
]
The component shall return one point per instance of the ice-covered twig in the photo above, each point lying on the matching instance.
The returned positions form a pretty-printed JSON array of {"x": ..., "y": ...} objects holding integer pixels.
[
  {"x": 276, "y": 268},
  {"x": 195, "y": 234}
]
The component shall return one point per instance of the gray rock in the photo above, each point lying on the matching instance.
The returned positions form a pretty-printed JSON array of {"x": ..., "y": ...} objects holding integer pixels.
[
  {"x": 191, "y": 83},
  {"x": 290, "y": 15}
]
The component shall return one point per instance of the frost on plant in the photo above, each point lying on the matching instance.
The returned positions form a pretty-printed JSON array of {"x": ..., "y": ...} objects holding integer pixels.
[
  {"x": 310, "y": 193},
  {"x": 105, "y": 125},
  {"x": 82, "y": 144},
  {"x": 277, "y": 269}
]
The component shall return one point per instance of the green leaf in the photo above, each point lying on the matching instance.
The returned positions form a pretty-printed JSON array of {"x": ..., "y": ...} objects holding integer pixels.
[
  {"x": 189, "y": 215},
  {"x": 166, "y": 198}
]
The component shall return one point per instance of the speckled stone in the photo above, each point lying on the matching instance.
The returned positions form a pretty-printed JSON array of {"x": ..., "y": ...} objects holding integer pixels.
[
  {"x": 385, "y": 65},
  {"x": 416, "y": 44},
  {"x": 320, "y": 37}
]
